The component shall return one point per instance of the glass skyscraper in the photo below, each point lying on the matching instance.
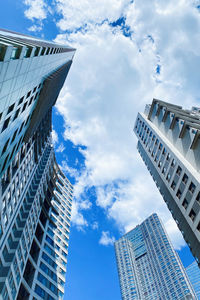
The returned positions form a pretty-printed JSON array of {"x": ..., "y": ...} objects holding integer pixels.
[
  {"x": 148, "y": 266},
  {"x": 169, "y": 143},
  {"x": 35, "y": 196},
  {"x": 193, "y": 273}
]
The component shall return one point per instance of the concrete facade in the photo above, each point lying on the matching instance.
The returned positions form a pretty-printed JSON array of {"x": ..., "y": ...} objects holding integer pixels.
[{"x": 168, "y": 142}]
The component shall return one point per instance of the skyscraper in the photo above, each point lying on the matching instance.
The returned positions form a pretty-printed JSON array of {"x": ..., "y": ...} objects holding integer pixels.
[
  {"x": 168, "y": 142},
  {"x": 148, "y": 266},
  {"x": 35, "y": 196},
  {"x": 193, "y": 273}
]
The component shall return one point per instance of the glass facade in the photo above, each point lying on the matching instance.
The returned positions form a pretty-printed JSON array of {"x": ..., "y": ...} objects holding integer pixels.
[
  {"x": 193, "y": 273},
  {"x": 35, "y": 196},
  {"x": 148, "y": 266}
]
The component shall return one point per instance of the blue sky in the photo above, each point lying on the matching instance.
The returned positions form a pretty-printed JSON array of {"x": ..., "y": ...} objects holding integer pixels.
[{"x": 127, "y": 53}]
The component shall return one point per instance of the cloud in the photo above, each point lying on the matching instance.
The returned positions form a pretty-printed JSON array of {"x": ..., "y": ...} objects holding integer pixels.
[
  {"x": 69, "y": 170},
  {"x": 106, "y": 239},
  {"x": 82, "y": 13},
  {"x": 60, "y": 148},
  {"x": 175, "y": 234},
  {"x": 95, "y": 225},
  {"x": 35, "y": 28},
  {"x": 112, "y": 78},
  {"x": 77, "y": 218},
  {"x": 37, "y": 9},
  {"x": 54, "y": 137}
]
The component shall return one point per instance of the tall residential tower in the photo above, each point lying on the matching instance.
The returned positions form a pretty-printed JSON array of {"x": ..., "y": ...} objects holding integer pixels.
[
  {"x": 193, "y": 273},
  {"x": 169, "y": 143},
  {"x": 35, "y": 196},
  {"x": 148, "y": 266}
]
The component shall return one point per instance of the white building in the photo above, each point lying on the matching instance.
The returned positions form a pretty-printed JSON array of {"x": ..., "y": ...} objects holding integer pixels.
[{"x": 168, "y": 142}]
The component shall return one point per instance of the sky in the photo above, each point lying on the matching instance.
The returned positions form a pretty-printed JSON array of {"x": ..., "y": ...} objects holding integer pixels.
[{"x": 128, "y": 52}]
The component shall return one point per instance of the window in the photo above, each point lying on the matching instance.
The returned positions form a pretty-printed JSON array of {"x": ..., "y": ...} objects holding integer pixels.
[
  {"x": 164, "y": 170},
  {"x": 4, "y": 163},
  {"x": 14, "y": 135},
  {"x": 49, "y": 260},
  {"x": 46, "y": 270},
  {"x": 185, "y": 178},
  {"x": 178, "y": 171},
  {"x": 198, "y": 197},
  {"x": 16, "y": 114},
  {"x": 27, "y": 52},
  {"x": 164, "y": 152},
  {"x": 192, "y": 187},
  {"x": 49, "y": 250},
  {"x": 12, "y": 152},
  {"x": 5, "y": 147},
  {"x": 173, "y": 185},
  {"x": 28, "y": 94},
  {"x": 21, "y": 100},
  {"x": 27, "y": 121},
  {"x": 14, "y": 53},
  {"x": 24, "y": 106},
  {"x": 5, "y": 125},
  {"x": 173, "y": 163},
  {"x": 49, "y": 240},
  {"x": 43, "y": 50},
  {"x": 39, "y": 291},
  {"x": 178, "y": 194},
  {"x": 37, "y": 50},
  {"x": 185, "y": 204},
  {"x": 11, "y": 107},
  {"x": 153, "y": 153},
  {"x": 168, "y": 177},
  {"x": 30, "y": 101},
  {"x": 12, "y": 285},
  {"x": 192, "y": 215},
  {"x": 21, "y": 128},
  {"x": 42, "y": 279}
]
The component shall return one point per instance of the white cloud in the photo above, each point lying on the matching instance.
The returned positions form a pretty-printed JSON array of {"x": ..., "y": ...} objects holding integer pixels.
[
  {"x": 111, "y": 79},
  {"x": 84, "y": 12},
  {"x": 35, "y": 28},
  {"x": 175, "y": 235},
  {"x": 95, "y": 225},
  {"x": 69, "y": 170},
  {"x": 60, "y": 148},
  {"x": 37, "y": 9},
  {"x": 54, "y": 136},
  {"x": 77, "y": 218},
  {"x": 106, "y": 239}
]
